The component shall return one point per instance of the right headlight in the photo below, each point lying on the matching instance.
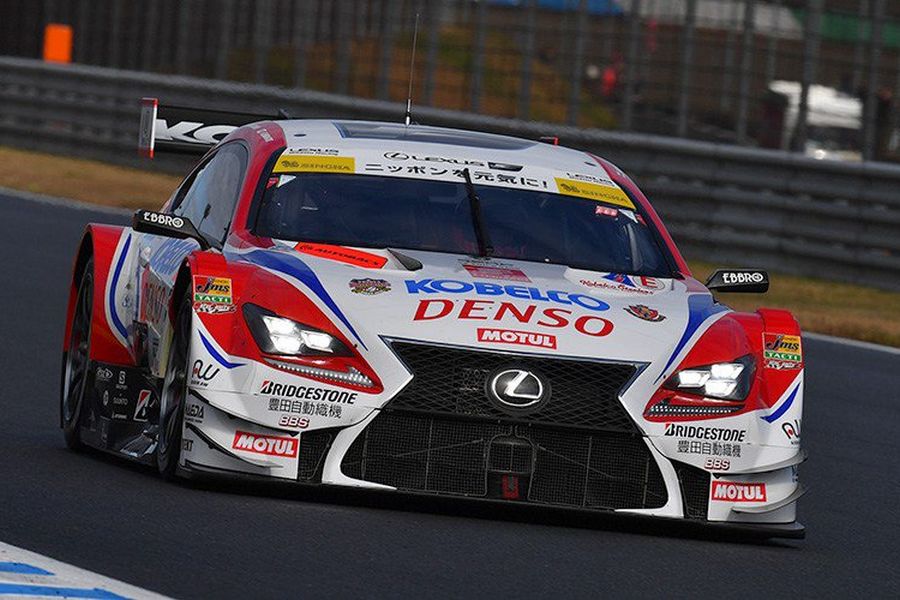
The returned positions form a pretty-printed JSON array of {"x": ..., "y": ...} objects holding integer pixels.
[
  {"x": 275, "y": 334},
  {"x": 720, "y": 381}
]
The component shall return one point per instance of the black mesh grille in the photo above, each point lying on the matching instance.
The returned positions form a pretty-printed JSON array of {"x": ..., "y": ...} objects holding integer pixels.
[
  {"x": 452, "y": 380},
  {"x": 314, "y": 446},
  {"x": 694, "y": 490},
  {"x": 422, "y": 453}
]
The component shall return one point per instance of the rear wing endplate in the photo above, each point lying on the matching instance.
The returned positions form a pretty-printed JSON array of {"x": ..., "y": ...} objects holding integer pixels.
[{"x": 186, "y": 130}]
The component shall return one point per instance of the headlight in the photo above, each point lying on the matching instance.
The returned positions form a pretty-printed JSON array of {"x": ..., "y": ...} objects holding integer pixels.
[
  {"x": 279, "y": 335},
  {"x": 723, "y": 381}
]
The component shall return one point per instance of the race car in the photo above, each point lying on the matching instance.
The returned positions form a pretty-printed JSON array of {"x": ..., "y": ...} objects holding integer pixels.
[{"x": 427, "y": 311}]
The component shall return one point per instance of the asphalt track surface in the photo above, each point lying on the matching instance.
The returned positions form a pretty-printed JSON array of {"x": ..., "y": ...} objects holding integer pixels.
[{"x": 227, "y": 541}]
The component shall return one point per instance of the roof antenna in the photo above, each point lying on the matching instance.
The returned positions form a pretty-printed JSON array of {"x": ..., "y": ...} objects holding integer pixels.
[{"x": 412, "y": 63}]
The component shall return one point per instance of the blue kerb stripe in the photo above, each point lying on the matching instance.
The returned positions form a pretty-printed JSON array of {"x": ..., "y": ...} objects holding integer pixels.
[
  {"x": 215, "y": 354},
  {"x": 22, "y": 568},
  {"x": 700, "y": 308},
  {"x": 112, "y": 289},
  {"x": 783, "y": 408},
  {"x": 22, "y": 589},
  {"x": 293, "y": 266}
]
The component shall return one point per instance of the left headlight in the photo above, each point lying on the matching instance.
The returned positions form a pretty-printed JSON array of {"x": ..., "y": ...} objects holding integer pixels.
[
  {"x": 722, "y": 381},
  {"x": 278, "y": 335}
]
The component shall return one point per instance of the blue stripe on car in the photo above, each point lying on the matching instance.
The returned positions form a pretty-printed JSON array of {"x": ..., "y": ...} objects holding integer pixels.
[
  {"x": 22, "y": 569},
  {"x": 700, "y": 308},
  {"x": 117, "y": 323},
  {"x": 216, "y": 355},
  {"x": 783, "y": 408},
  {"x": 296, "y": 268},
  {"x": 21, "y": 589}
]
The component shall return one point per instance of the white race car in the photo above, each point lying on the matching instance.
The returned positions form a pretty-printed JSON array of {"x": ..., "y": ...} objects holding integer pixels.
[{"x": 429, "y": 311}]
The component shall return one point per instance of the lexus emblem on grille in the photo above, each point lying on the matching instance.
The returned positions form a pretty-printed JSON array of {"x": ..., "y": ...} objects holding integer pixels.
[{"x": 517, "y": 389}]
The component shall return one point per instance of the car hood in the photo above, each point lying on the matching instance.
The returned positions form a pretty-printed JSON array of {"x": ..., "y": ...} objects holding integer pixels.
[{"x": 494, "y": 304}]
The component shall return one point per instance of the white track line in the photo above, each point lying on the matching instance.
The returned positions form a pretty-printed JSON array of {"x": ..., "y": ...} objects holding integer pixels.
[{"x": 25, "y": 574}]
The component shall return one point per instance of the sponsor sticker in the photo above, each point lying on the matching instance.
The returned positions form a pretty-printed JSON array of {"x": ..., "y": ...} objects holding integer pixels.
[
  {"x": 791, "y": 431},
  {"x": 306, "y": 407},
  {"x": 369, "y": 287},
  {"x": 270, "y": 445},
  {"x": 142, "y": 408},
  {"x": 490, "y": 272},
  {"x": 202, "y": 373},
  {"x": 305, "y": 392},
  {"x": 721, "y": 434},
  {"x": 708, "y": 448},
  {"x": 782, "y": 351},
  {"x": 343, "y": 254},
  {"x": 625, "y": 283},
  {"x": 522, "y": 338},
  {"x": 193, "y": 413},
  {"x": 644, "y": 312},
  {"x": 480, "y": 288},
  {"x": 212, "y": 290},
  {"x": 211, "y": 308},
  {"x": 742, "y": 277},
  {"x": 605, "y": 211},
  {"x": 315, "y": 164},
  {"x": 611, "y": 194},
  {"x": 433, "y": 309},
  {"x": 730, "y": 491}
]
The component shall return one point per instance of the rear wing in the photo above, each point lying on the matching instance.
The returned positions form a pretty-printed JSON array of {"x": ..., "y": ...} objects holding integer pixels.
[{"x": 186, "y": 130}]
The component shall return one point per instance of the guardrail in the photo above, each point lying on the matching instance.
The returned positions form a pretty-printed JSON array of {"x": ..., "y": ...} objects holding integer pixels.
[{"x": 726, "y": 204}]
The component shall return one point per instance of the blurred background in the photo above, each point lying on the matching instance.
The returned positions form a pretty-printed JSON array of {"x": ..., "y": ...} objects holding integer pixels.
[
  {"x": 762, "y": 131},
  {"x": 815, "y": 76}
]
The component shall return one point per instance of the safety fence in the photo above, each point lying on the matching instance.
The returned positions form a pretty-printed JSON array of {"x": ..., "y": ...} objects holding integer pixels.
[
  {"x": 723, "y": 203},
  {"x": 813, "y": 75}
]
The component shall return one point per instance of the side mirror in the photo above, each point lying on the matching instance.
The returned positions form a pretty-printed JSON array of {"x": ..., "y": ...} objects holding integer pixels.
[
  {"x": 158, "y": 223},
  {"x": 744, "y": 281}
]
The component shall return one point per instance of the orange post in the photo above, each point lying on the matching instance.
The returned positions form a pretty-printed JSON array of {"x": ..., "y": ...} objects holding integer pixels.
[{"x": 58, "y": 43}]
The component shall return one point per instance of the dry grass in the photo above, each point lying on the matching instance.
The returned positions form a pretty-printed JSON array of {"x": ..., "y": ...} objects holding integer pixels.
[
  {"x": 834, "y": 308},
  {"x": 84, "y": 180}
]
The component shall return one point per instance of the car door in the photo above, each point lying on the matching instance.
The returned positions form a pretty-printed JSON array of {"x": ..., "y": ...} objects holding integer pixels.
[{"x": 207, "y": 197}]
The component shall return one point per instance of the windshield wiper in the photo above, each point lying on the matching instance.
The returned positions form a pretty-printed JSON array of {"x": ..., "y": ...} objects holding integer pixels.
[{"x": 481, "y": 235}]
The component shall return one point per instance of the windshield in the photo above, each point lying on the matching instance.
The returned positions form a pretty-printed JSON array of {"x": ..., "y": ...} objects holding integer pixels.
[{"x": 416, "y": 214}]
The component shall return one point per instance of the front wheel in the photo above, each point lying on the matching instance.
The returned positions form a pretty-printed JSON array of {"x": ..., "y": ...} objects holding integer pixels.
[
  {"x": 77, "y": 361},
  {"x": 174, "y": 393}
]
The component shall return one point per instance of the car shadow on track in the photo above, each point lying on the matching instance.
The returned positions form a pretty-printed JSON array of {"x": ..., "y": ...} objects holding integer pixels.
[{"x": 472, "y": 508}]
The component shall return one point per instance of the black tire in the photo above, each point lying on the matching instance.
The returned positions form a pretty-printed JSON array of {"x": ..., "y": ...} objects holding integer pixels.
[
  {"x": 174, "y": 393},
  {"x": 76, "y": 365}
]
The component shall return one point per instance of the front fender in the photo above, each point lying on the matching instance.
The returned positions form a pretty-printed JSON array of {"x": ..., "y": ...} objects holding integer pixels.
[{"x": 111, "y": 248}]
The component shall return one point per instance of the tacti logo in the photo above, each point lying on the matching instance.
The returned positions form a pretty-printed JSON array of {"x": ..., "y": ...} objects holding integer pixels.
[
  {"x": 729, "y": 491},
  {"x": 269, "y": 445},
  {"x": 481, "y": 288}
]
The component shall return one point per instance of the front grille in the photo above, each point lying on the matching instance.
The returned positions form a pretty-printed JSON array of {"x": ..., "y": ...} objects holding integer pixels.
[
  {"x": 452, "y": 381},
  {"x": 565, "y": 467},
  {"x": 694, "y": 490},
  {"x": 314, "y": 445}
]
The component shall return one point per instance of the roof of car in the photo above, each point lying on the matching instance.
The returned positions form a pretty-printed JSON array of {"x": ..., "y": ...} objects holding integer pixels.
[{"x": 395, "y": 137}]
